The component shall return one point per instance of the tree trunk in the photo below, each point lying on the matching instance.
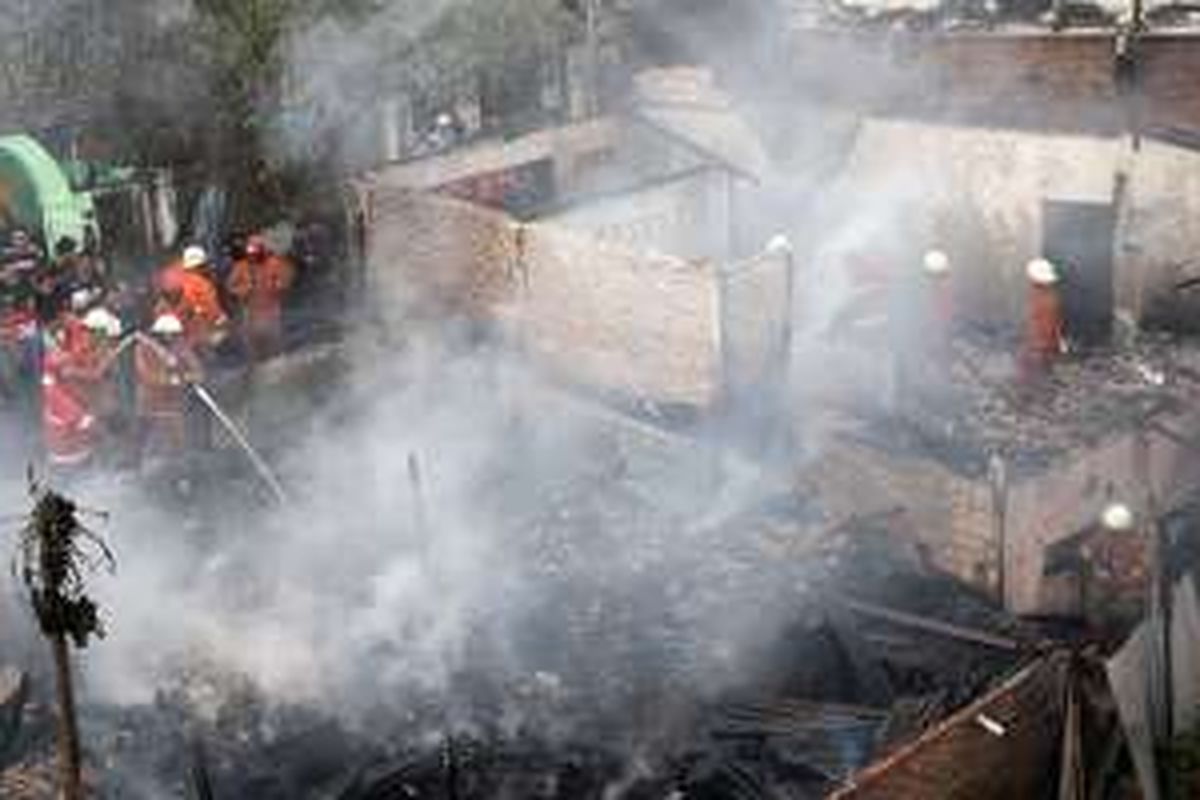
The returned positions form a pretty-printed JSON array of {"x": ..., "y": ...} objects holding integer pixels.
[{"x": 69, "y": 759}]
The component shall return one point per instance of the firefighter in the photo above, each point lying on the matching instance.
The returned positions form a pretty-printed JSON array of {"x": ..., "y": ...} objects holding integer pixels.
[
  {"x": 1044, "y": 339},
  {"x": 69, "y": 325},
  {"x": 188, "y": 293},
  {"x": 259, "y": 282},
  {"x": 920, "y": 319},
  {"x": 68, "y": 425},
  {"x": 95, "y": 377},
  {"x": 165, "y": 365},
  {"x": 936, "y": 268}
]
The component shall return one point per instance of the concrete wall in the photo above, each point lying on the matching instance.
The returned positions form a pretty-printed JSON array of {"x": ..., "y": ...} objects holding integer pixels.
[
  {"x": 975, "y": 193},
  {"x": 978, "y": 193},
  {"x": 1054, "y": 506},
  {"x": 1159, "y": 225},
  {"x": 951, "y": 515}
]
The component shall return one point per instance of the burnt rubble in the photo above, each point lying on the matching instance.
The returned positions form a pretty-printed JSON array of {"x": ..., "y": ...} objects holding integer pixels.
[
  {"x": 980, "y": 410},
  {"x": 810, "y": 705},
  {"x": 667, "y": 651}
]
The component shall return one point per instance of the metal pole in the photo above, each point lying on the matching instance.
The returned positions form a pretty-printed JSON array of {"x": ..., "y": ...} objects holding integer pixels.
[
  {"x": 1158, "y": 640},
  {"x": 998, "y": 477}
]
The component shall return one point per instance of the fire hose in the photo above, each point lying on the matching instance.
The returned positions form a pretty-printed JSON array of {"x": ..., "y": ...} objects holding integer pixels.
[{"x": 205, "y": 397}]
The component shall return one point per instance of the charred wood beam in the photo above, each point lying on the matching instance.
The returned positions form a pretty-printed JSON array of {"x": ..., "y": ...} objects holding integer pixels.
[{"x": 938, "y": 627}]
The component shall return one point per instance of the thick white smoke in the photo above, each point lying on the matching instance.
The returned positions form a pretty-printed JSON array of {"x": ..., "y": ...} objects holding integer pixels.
[{"x": 550, "y": 545}]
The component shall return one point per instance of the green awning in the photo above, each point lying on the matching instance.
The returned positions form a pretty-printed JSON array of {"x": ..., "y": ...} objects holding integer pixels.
[{"x": 35, "y": 192}]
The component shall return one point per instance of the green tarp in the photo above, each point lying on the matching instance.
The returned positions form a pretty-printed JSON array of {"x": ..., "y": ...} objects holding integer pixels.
[{"x": 35, "y": 192}]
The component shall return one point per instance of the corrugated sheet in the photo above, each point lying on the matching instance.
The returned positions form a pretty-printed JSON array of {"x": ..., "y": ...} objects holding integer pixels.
[{"x": 1004, "y": 745}]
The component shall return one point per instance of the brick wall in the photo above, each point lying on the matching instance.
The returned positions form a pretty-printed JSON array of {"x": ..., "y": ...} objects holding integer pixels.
[
  {"x": 432, "y": 256},
  {"x": 1038, "y": 80},
  {"x": 615, "y": 319},
  {"x": 1168, "y": 68},
  {"x": 949, "y": 515},
  {"x": 756, "y": 325},
  {"x": 640, "y": 324}
]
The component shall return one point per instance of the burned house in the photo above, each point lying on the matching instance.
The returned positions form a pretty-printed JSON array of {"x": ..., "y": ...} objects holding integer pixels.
[
  {"x": 609, "y": 249},
  {"x": 1016, "y": 141}
]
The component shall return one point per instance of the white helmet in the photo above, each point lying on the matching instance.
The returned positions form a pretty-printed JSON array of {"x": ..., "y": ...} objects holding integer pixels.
[
  {"x": 936, "y": 263},
  {"x": 101, "y": 320},
  {"x": 1117, "y": 517},
  {"x": 779, "y": 245},
  {"x": 167, "y": 325},
  {"x": 194, "y": 257},
  {"x": 1041, "y": 272},
  {"x": 81, "y": 299}
]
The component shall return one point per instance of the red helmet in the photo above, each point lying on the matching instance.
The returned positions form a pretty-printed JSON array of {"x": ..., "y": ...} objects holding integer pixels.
[{"x": 256, "y": 247}]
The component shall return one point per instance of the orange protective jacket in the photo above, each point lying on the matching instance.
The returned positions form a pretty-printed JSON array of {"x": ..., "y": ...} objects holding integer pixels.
[
  {"x": 260, "y": 287},
  {"x": 1044, "y": 324},
  {"x": 81, "y": 361},
  {"x": 162, "y": 377},
  {"x": 198, "y": 306},
  {"x": 68, "y": 425}
]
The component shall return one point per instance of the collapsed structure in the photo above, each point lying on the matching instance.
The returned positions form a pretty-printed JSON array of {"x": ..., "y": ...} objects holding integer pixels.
[{"x": 917, "y": 544}]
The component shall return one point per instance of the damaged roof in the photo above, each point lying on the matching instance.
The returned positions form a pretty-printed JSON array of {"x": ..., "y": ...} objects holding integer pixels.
[{"x": 686, "y": 104}]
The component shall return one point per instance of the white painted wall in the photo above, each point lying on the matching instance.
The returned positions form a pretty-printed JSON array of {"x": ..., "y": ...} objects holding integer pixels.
[
  {"x": 975, "y": 192},
  {"x": 1159, "y": 227}
]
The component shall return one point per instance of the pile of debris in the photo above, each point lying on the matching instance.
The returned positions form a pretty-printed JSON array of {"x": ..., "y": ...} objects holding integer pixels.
[
  {"x": 1087, "y": 399},
  {"x": 848, "y": 680}
]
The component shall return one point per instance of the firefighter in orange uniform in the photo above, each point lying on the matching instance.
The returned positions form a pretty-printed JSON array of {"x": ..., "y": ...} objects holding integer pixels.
[
  {"x": 259, "y": 282},
  {"x": 165, "y": 365},
  {"x": 95, "y": 377},
  {"x": 1044, "y": 339},
  {"x": 68, "y": 426},
  {"x": 187, "y": 293}
]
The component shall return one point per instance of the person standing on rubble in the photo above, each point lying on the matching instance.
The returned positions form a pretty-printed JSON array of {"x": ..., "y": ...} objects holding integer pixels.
[
  {"x": 165, "y": 366},
  {"x": 937, "y": 302},
  {"x": 921, "y": 319},
  {"x": 260, "y": 282},
  {"x": 1044, "y": 339},
  {"x": 188, "y": 293}
]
